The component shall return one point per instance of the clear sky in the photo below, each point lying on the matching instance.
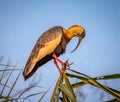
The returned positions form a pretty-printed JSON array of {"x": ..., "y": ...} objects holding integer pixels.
[{"x": 23, "y": 21}]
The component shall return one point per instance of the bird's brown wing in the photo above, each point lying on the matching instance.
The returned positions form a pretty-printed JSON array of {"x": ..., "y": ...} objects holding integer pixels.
[{"x": 45, "y": 45}]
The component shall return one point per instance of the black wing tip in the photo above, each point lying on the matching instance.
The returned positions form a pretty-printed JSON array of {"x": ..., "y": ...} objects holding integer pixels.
[
  {"x": 25, "y": 76},
  {"x": 28, "y": 75}
]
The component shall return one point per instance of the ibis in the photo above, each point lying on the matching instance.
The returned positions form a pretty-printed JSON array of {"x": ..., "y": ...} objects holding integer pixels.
[{"x": 50, "y": 45}]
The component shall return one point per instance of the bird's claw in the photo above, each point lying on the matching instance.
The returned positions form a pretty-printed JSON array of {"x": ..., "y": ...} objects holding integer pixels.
[{"x": 67, "y": 64}]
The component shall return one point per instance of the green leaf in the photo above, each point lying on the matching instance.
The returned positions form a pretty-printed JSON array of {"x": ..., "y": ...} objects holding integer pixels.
[
  {"x": 78, "y": 84},
  {"x": 43, "y": 95},
  {"x": 32, "y": 95},
  {"x": 14, "y": 83},
  {"x": 113, "y": 100},
  {"x": 93, "y": 81},
  {"x": 7, "y": 80},
  {"x": 65, "y": 98},
  {"x": 103, "y": 87},
  {"x": 84, "y": 79},
  {"x": 53, "y": 96},
  {"x": 66, "y": 91},
  {"x": 68, "y": 84},
  {"x": 107, "y": 77}
]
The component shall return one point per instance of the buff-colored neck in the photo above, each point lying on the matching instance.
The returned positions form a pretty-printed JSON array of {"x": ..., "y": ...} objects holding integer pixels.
[
  {"x": 71, "y": 32},
  {"x": 66, "y": 36}
]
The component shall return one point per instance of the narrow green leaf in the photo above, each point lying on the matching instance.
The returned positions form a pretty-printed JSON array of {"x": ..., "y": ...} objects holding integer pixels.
[
  {"x": 69, "y": 85},
  {"x": 78, "y": 84},
  {"x": 106, "y": 77},
  {"x": 9, "y": 87},
  {"x": 66, "y": 91},
  {"x": 7, "y": 80},
  {"x": 84, "y": 79},
  {"x": 2, "y": 70},
  {"x": 92, "y": 81},
  {"x": 3, "y": 73},
  {"x": 1, "y": 58},
  {"x": 25, "y": 90},
  {"x": 79, "y": 73},
  {"x": 108, "y": 90},
  {"x": 113, "y": 100},
  {"x": 67, "y": 82},
  {"x": 56, "y": 87},
  {"x": 43, "y": 96},
  {"x": 76, "y": 76},
  {"x": 116, "y": 91},
  {"x": 65, "y": 98},
  {"x": 14, "y": 83},
  {"x": 31, "y": 95}
]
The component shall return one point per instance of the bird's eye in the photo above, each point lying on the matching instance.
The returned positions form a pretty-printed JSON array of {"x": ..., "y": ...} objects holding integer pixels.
[{"x": 78, "y": 34}]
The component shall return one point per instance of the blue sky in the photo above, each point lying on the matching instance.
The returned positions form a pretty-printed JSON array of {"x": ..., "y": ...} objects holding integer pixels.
[{"x": 23, "y": 21}]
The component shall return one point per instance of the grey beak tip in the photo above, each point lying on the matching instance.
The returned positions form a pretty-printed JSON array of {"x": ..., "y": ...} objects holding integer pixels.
[{"x": 79, "y": 40}]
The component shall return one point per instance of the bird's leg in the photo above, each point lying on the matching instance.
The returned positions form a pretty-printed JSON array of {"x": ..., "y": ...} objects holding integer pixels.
[
  {"x": 55, "y": 62},
  {"x": 56, "y": 58}
]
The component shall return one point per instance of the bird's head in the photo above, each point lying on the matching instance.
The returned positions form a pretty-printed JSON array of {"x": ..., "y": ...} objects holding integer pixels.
[{"x": 75, "y": 31}]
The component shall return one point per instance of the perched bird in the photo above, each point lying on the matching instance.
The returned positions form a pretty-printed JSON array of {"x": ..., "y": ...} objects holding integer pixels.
[{"x": 51, "y": 45}]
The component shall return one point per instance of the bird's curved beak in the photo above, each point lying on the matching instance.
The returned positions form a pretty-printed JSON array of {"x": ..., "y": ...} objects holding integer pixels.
[{"x": 80, "y": 37}]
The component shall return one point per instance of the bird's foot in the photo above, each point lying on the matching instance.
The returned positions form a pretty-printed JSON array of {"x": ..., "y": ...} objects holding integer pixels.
[
  {"x": 61, "y": 62},
  {"x": 66, "y": 63}
]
